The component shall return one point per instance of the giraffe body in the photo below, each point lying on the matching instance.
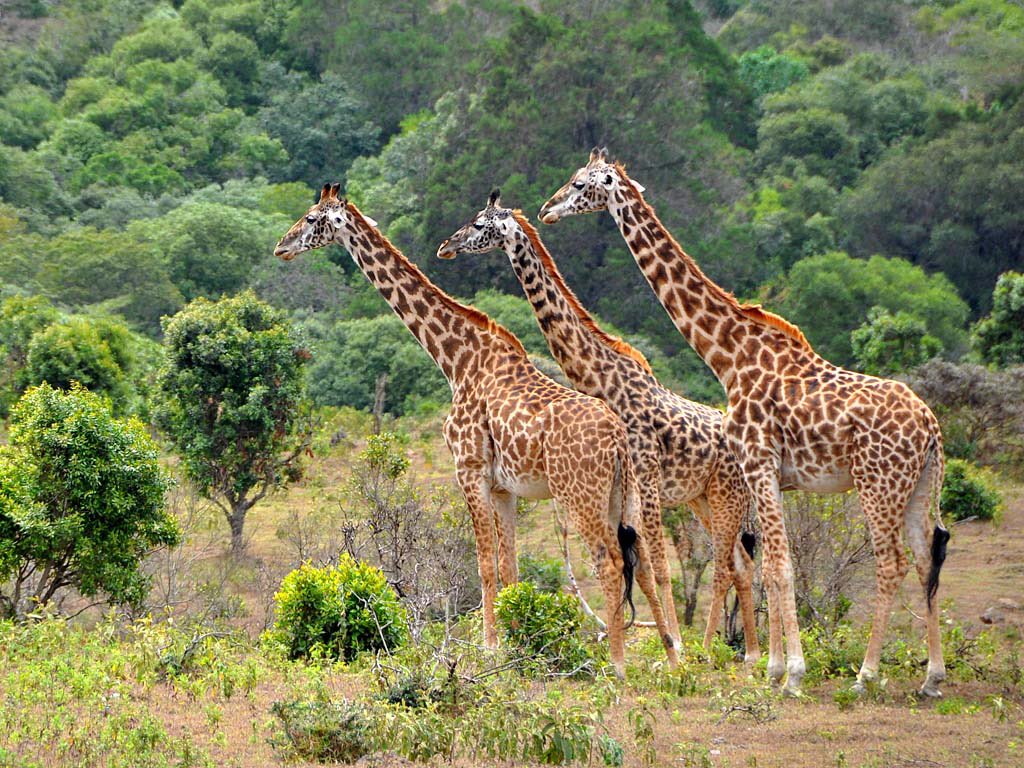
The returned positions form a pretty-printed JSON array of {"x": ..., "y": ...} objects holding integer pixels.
[
  {"x": 794, "y": 421},
  {"x": 677, "y": 446},
  {"x": 512, "y": 431}
]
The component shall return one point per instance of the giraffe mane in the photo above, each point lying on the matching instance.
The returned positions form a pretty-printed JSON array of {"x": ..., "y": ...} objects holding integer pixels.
[
  {"x": 475, "y": 316},
  {"x": 548, "y": 263},
  {"x": 753, "y": 311}
]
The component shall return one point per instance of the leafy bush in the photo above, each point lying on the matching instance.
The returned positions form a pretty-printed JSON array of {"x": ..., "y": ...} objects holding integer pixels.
[
  {"x": 232, "y": 394},
  {"x": 324, "y": 731},
  {"x": 545, "y": 573},
  {"x": 81, "y": 500},
  {"x": 543, "y": 627},
  {"x": 999, "y": 338},
  {"x": 969, "y": 491},
  {"x": 338, "y": 611}
]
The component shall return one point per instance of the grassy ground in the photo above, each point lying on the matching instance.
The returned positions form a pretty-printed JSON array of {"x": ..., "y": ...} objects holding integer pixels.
[{"x": 115, "y": 694}]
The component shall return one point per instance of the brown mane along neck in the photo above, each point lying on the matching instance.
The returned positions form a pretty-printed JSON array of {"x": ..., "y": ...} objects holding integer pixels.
[
  {"x": 548, "y": 264},
  {"x": 470, "y": 313},
  {"x": 752, "y": 311}
]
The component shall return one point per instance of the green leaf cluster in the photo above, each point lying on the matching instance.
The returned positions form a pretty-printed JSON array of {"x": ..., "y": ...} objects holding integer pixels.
[
  {"x": 337, "y": 612},
  {"x": 81, "y": 498}
]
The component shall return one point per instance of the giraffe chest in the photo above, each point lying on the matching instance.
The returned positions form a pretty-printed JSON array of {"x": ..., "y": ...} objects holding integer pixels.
[{"x": 517, "y": 461}]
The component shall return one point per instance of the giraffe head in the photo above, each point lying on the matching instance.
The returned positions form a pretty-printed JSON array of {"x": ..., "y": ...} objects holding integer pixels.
[
  {"x": 317, "y": 227},
  {"x": 487, "y": 231},
  {"x": 588, "y": 190}
]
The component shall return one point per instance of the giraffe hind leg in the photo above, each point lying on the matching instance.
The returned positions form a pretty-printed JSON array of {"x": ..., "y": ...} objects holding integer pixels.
[{"x": 928, "y": 546}]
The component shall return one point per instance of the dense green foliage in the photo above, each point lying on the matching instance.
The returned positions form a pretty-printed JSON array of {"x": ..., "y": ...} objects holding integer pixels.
[
  {"x": 38, "y": 343},
  {"x": 999, "y": 338},
  {"x": 81, "y": 500},
  {"x": 337, "y": 612},
  {"x": 969, "y": 492},
  {"x": 150, "y": 154},
  {"x": 231, "y": 391},
  {"x": 546, "y": 628},
  {"x": 889, "y": 343}
]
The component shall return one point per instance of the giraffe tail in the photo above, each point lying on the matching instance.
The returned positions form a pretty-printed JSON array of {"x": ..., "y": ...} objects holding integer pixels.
[
  {"x": 628, "y": 500},
  {"x": 936, "y": 466}
]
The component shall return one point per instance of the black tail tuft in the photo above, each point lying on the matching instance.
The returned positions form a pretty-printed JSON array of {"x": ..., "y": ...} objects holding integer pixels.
[
  {"x": 940, "y": 538},
  {"x": 749, "y": 541},
  {"x": 627, "y": 542}
]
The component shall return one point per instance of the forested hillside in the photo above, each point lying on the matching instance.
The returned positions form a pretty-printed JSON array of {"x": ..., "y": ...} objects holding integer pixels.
[{"x": 855, "y": 165}]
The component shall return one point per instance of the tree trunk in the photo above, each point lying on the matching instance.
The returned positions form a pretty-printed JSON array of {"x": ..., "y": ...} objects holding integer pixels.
[
  {"x": 694, "y": 552},
  {"x": 236, "y": 520},
  {"x": 380, "y": 394}
]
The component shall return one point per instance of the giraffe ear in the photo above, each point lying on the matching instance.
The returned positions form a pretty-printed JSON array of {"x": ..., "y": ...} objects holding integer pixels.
[
  {"x": 370, "y": 221},
  {"x": 494, "y": 198},
  {"x": 638, "y": 186},
  {"x": 325, "y": 193}
]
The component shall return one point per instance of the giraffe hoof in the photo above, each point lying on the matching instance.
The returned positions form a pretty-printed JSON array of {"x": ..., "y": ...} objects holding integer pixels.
[
  {"x": 791, "y": 692},
  {"x": 858, "y": 687},
  {"x": 929, "y": 690},
  {"x": 751, "y": 659}
]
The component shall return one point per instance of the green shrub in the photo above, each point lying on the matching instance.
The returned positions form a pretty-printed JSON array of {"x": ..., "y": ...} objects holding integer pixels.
[
  {"x": 969, "y": 491},
  {"x": 338, "y": 611},
  {"x": 324, "y": 731},
  {"x": 545, "y": 573},
  {"x": 544, "y": 627}
]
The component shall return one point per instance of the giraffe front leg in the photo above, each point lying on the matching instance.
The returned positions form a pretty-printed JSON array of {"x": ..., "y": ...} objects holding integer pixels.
[
  {"x": 482, "y": 513},
  {"x": 777, "y": 571}
]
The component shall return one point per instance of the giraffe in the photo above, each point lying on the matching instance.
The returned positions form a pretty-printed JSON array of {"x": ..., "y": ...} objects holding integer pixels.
[
  {"x": 678, "y": 448},
  {"x": 795, "y": 421},
  {"x": 512, "y": 431}
]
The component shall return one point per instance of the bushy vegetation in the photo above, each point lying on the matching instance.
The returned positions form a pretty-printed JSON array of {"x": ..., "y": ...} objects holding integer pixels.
[
  {"x": 337, "y": 612},
  {"x": 969, "y": 492},
  {"x": 231, "y": 392},
  {"x": 545, "y": 628},
  {"x": 81, "y": 501}
]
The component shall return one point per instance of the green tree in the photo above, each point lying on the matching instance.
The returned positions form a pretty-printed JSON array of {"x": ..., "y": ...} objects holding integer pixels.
[
  {"x": 209, "y": 248},
  {"x": 999, "y": 338},
  {"x": 891, "y": 343},
  {"x": 950, "y": 204},
  {"x": 20, "y": 318},
  {"x": 765, "y": 71},
  {"x": 829, "y": 296},
  {"x": 232, "y": 389},
  {"x": 81, "y": 500},
  {"x": 111, "y": 270},
  {"x": 98, "y": 353},
  {"x": 321, "y": 125},
  {"x": 352, "y": 355}
]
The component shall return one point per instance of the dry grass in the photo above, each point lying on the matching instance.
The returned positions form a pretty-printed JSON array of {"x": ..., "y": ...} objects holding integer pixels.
[{"x": 984, "y": 564}]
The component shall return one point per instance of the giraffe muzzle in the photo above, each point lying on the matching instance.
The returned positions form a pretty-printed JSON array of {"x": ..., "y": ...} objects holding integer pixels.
[{"x": 448, "y": 250}]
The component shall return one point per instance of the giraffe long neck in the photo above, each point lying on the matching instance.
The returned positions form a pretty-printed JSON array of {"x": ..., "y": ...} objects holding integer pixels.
[
  {"x": 584, "y": 352},
  {"x": 456, "y": 336},
  {"x": 726, "y": 334}
]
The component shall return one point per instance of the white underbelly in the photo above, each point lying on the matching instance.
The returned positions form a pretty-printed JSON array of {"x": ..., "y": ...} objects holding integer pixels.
[
  {"x": 525, "y": 487},
  {"x": 829, "y": 480}
]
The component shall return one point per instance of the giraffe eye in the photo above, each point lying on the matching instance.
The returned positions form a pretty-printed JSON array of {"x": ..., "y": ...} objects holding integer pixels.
[
  {"x": 477, "y": 225},
  {"x": 311, "y": 219},
  {"x": 578, "y": 185}
]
